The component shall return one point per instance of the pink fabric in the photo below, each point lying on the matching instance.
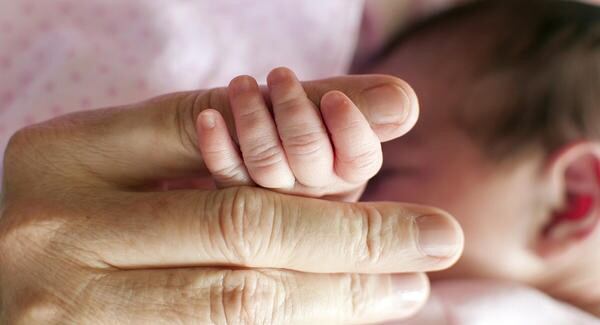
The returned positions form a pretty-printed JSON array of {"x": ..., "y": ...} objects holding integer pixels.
[
  {"x": 59, "y": 56},
  {"x": 474, "y": 302},
  {"x": 67, "y": 55}
]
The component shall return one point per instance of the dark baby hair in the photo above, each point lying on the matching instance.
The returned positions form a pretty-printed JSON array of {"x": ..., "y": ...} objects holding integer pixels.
[{"x": 544, "y": 59}]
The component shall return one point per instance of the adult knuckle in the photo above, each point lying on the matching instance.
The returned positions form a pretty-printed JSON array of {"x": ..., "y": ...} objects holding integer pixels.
[
  {"x": 23, "y": 137},
  {"x": 186, "y": 108},
  {"x": 38, "y": 153},
  {"x": 251, "y": 297},
  {"x": 18, "y": 150},
  {"x": 36, "y": 309},
  {"x": 24, "y": 230},
  {"x": 372, "y": 241},
  {"x": 16, "y": 142},
  {"x": 357, "y": 293},
  {"x": 263, "y": 154},
  {"x": 246, "y": 223},
  {"x": 184, "y": 120}
]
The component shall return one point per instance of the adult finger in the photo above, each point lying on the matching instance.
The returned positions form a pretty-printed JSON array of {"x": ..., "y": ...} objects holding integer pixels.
[
  {"x": 156, "y": 139},
  {"x": 253, "y": 227},
  {"x": 389, "y": 103},
  {"x": 210, "y": 295}
]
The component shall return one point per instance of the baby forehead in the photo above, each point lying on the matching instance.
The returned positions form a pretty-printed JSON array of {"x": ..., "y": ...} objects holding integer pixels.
[
  {"x": 442, "y": 77},
  {"x": 454, "y": 57},
  {"x": 457, "y": 92}
]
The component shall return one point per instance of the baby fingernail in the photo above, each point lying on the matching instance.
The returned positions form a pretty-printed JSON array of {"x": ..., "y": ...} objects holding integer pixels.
[
  {"x": 242, "y": 84},
  {"x": 335, "y": 98},
  {"x": 279, "y": 75},
  {"x": 207, "y": 120},
  {"x": 438, "y": 236},
  {"x": 386, "y": 104}
]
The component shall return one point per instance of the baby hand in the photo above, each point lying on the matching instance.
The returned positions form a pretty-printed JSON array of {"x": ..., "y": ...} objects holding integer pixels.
[{"x": 327, "y": 151}]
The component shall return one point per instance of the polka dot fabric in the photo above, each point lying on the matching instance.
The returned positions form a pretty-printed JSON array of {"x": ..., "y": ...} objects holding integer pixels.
[{"x": 62, "y": 56}]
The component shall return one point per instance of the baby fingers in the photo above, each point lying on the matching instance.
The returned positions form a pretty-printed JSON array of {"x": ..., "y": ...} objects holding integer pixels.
[
  {"x": 358, "y": 154},
  {"x": 259, "y": 141},
  {"x": 219, "y": 152},
  {"x": 301, "y": 130}
]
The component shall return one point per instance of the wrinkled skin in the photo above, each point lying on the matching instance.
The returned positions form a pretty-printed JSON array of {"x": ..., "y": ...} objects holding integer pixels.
[{"x": 85, "y": 236}]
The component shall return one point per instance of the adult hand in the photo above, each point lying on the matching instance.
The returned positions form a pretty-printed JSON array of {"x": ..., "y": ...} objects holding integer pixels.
[{"x": 83, "y": 239}]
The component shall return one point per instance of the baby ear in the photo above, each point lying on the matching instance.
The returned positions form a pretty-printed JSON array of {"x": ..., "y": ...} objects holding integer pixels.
[{"x": 573, "y": 175}]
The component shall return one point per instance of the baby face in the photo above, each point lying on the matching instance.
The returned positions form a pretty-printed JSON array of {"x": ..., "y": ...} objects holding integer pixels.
[
  {"x": 502, "y": 206},
  {"x": 438, "y": 164}
]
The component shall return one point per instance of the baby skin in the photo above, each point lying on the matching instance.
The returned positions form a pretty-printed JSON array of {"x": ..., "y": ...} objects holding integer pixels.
[
  {"x": 329, "y": 151},
  {"x": 290, "y": 144}
]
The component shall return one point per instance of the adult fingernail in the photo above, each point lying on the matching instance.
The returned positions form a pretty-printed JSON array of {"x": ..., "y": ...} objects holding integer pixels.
[
  {"x": 410, "y": 287},
  {"x": 437, "y": 236},
  {"x": 408, "y": 294},
  {"x": 386, "y": 104}
]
